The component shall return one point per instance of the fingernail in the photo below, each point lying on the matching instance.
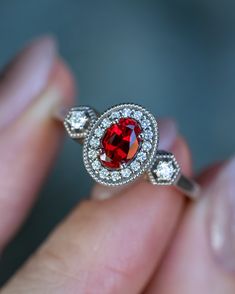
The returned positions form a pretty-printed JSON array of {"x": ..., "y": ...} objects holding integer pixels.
[
  {"x": 25, "y": 77},
  {"x": 221, "y": 195},
  {"x": 168, "y": 134}
]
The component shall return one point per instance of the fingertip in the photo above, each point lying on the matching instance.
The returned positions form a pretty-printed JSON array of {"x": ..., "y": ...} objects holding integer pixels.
[
  {"x": 32, "y": 140},
  {"x": 183, "y": 155},
  {"x": 113, "y": 240},
  {"x": 62, "y": 77}
]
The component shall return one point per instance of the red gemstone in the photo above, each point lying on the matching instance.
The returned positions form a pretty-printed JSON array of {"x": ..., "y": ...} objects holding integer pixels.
[{"x": 120, "y": 143}]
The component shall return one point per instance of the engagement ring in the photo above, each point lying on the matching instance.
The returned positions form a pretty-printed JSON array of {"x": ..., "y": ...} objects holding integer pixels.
[{"x": 121, "y": 145}]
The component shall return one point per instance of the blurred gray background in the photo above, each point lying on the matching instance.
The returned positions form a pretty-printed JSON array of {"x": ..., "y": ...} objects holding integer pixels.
[{"x": 176, "y": 57}]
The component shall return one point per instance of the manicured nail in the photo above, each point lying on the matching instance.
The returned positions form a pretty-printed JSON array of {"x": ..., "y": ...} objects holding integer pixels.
[
  {"x": 168, "y": 134},
  {"x": 25, "y": 77},
  {"x": 221, "y": 194}
]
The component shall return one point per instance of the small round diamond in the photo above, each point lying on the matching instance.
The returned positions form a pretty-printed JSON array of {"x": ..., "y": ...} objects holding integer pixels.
[
  {"x": 142, "y": 156},
  {"x": 135, "y": 165},
  {"x": 115, "y": 115},
  {"x": 96, "y": 165},
  {"x": 126, "y": 172},
  {"x": 115, "y": 176},
  {"x": 99, "y": 132},
  {"x": 148, "y": 135},
  {"x": 145, "y": 124},
  {"x": 146, "y": 145},
  {"x": 94, "y": 142},
  {"x": 104, "y": 173},
  {"x": 137, "y": 115},
  {"x": 165, "y": 170},
  {"x": 92, "y": 154},
  {"x": 106, "y": 122},
  {"x": 126, "y": 112}
]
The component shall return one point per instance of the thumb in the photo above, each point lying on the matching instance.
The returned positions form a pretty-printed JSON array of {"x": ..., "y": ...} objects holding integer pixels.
[{"x": 110, "y": 246}]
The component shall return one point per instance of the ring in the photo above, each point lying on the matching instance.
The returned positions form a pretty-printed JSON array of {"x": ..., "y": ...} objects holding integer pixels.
[{"x": 121, "y": 145}]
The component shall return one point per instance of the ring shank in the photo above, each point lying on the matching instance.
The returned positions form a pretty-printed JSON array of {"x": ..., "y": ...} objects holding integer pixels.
[{"x": 188, "y": 186}]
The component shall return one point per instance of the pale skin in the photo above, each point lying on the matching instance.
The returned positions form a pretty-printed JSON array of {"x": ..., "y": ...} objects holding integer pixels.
[{"x": 142, "y": 239}]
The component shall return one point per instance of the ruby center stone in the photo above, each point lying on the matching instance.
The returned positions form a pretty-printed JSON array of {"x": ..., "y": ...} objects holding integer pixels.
[{"x": 120, "y": 143}]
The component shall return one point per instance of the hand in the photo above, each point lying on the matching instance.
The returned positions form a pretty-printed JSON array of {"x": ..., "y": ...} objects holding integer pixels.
[{"x": 146, "y": 239}]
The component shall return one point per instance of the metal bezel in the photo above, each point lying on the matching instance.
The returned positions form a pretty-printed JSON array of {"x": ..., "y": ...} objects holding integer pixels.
[
  {"x": 140, "y": 164},
  {"x": 164, "y": 156},
  {"x": 92, "y": 116}
]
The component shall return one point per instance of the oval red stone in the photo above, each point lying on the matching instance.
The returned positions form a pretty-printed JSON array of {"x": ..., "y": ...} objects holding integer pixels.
[{"x": 120, "y": 143}]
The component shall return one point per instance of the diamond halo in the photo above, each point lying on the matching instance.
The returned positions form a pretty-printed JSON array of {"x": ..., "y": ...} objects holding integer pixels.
[{"x": 143, "y": 159}]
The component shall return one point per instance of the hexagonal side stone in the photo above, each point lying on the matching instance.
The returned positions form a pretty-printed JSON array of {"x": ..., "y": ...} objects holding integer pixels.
[
  {"x": 78, "y": 120},
  {"x": 165, "y": 169}
]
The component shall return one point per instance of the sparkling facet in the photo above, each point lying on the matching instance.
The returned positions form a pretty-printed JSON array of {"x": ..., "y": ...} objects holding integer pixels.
[
  {"x": 94, "y": 142},
  {"x": 135, "y": 166},
  {"x": 142, "y": 156},
  {"x": 115, "y": 176},
  {"x": 104, "y": 173},
  {"x": 148, "y": 135},
  {"x": 126, "y": 112},
  {"x": 126, "y": 172},
  {"x": 106, "y": 122},
  {"x": 78, "y": 119},
  {"x": 92, "y": 154},
  {"x": 137, "y": 114},
  {"x": 115, "y": 114},
  {"x": 165, "y": 170},
  {"x": 145, "y": 123},
  {"x": 99, "y": 132},
  {"x": 120, "y": 143},
  {"x": 96, "y": 165},
  {"x": 146, "y": 145}
]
